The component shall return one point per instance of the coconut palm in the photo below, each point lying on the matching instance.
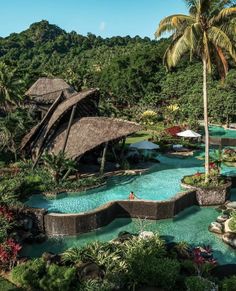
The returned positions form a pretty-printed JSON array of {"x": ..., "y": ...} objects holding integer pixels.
[
  {"x": 10, "y": 86},
  {"x": 12, "y": 128},
  {"x": 206, "y": 32}
]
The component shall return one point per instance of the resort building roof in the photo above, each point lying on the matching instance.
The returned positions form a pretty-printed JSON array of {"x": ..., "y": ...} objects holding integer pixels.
[
  {"x": 47, "y": 90},
  {"x": 90, "y": 132}
]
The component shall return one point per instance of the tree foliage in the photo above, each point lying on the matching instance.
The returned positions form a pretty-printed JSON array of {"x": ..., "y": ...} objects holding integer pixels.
[{"x": 128, "y": 70}]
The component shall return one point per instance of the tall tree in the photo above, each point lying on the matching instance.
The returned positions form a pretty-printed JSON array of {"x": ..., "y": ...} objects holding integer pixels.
[
  {"x": 10, "y": 86},
  {"x": 12, "y": 128},
  {"x": 206, "y": 32}
]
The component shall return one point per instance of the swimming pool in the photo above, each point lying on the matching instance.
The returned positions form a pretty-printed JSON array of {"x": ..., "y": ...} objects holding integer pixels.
[
  {"x": 217, "y": 131},
  {"x": 191, "y": 225},
  {"x": 162, "y": 182}
]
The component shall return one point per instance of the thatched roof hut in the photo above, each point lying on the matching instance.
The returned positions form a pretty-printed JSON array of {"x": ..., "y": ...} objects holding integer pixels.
[
  {"x": 86, "y": 103},
  {"x": 47, "y": 90},
  {"x": 90, "y": 132},
  {"x": 43, "y": 93},
  {"x": 71, "y": 121}
]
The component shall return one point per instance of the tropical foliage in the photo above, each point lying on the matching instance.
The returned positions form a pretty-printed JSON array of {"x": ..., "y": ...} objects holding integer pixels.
[
  {"x": 12, "y": 129},
  {"x": 10, "y": 86},
  {"x": 126, "y": 263},
  {"x": 206, "y": 32},
  {"x": 58, "y": 165},
  {"x": 128, "y": 71}
]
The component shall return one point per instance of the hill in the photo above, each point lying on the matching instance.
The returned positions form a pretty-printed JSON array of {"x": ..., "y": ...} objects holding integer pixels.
[{"x": 128, "y": 70}]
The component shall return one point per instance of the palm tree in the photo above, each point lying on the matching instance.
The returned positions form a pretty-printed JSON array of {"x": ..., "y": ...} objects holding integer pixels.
[
  {"x": 10, "y": 86},
  {"x": 58, "y": 165},
  {"x": 206, "y": 32},
  {"x": 12, "y": 128}
]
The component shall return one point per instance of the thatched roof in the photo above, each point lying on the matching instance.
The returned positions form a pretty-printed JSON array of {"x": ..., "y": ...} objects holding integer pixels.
[
  {"x": 46, "y": 90},
  {"x": 55, "y": 114},
  {"x": 91, "y": 132},
  {"x": 36, "y": 129}
]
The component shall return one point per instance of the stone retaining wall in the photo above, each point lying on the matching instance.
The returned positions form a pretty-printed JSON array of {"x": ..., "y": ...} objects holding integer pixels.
[
  {"x": 221, "y": 141},
  {"x": 210, "y": 196},
  {"x": 72, "y": 224}
]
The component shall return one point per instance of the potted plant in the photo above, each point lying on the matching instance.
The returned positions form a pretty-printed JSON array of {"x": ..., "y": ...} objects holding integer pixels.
[{"x": 214, "y": 192}]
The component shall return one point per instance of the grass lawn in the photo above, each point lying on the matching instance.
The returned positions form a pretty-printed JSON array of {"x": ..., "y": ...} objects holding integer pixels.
[
  {"x": 139, "y": 136},
  {"x": 5, "y": 285}
]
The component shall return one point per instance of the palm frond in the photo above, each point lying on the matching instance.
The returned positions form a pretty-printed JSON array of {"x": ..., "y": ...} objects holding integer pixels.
[
  {"x": 172, "y": 23},
  {"x": 223, "y": 15},
  {"x": 178, "y": 49},
  {"x": 220, "y": 39},
  {"x": 229, "y": 27},
  {"x": 221, "y": 63}
]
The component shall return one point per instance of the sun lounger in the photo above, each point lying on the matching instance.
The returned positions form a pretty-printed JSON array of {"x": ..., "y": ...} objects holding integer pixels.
[{"x": 179, "y": 148}]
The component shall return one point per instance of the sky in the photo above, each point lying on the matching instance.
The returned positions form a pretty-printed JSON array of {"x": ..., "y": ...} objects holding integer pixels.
[{"x": 101, "y": 17}]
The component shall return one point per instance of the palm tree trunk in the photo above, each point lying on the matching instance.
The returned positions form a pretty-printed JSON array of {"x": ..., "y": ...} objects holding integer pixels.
[{"x": 206, "y": 120}]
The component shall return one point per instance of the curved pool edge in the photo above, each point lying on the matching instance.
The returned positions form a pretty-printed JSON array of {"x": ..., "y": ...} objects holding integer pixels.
[{"x": 77, "y": 223}]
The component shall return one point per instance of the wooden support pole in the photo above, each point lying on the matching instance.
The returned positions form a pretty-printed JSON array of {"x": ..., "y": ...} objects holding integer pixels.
[
  {"x": 66, "y": 137},
  {"x": 122, "y": 149},
  {"x": 69, "y": 127},
  {"x": 103, "y": 158}
]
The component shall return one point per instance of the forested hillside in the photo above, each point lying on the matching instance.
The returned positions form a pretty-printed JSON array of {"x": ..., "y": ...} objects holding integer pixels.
[{"x": 129, "y": 71}]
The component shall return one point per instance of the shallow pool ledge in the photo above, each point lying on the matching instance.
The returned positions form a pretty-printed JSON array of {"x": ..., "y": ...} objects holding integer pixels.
[{"x": 73, "y": 224}]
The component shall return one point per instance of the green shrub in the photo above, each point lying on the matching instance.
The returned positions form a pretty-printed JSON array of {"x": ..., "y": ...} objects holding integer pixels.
[
  {"x": 196, "y": 283},
  {"x": 152, "y": 271},
  {"x": 232, "y": 222},
  {"x": 229, "y": 284},
  {"x": 5, "y": 285},
  {"x": 58, "y": 279},
  {"x": 153, "y": 246},
  {"x": 146, "y": 264},
  {"x": 198, "y": 180},
  {"x": 28, "y": 274},
  {"x": 36, "y": 276},
  {"x": 188, "y": 266},
  {"x": 72, "y": 255},
  {"x": 97, "y": 285}
]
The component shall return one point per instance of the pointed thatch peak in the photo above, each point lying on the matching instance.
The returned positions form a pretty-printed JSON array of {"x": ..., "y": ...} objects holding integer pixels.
[{"x": 47, "y": 90}]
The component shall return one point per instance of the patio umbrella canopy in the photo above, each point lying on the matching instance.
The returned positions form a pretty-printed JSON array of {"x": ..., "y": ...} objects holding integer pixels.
[
  {"x": 144, "y": 145},
  {"x": 189, "y": 133}
]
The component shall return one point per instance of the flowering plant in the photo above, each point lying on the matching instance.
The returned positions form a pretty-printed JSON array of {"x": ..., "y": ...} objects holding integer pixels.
[
  {"x": 149, "y": 117},
  {"x": 6, "y": 222},
  {"x": 9, "y": 250},
  {"x": 203, "y": 259},
  {"x": 229, "y": 155},
  {"x": 173, "y": 130}
]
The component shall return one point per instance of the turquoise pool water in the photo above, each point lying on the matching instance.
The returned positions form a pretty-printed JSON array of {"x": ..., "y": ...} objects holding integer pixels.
[
  {"x": 218, "y": 131},
  {"x": 190, "y": 225},
  {"x": 162, "y": 182}
]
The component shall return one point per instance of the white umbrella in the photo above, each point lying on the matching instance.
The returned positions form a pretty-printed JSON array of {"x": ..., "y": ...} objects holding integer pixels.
[
  {"x": 144, "y": 145},
  {"x": 189, "y": 133}
]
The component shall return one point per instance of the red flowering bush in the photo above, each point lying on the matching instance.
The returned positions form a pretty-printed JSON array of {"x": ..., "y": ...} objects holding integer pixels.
[
  {"x": 173, "y": 130},
  {"x": 8, "y": 253},
  {"x": 6, "y": 213},
  {"x": 203, "y": 259},
  {"x": 6, "y": 222}
]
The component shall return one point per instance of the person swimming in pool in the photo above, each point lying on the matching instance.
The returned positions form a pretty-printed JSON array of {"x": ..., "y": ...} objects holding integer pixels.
[{"x": 132, "y": 196}]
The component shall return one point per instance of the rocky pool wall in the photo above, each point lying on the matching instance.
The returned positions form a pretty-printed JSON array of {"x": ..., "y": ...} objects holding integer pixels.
[{"x": 73, "y": 224}]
